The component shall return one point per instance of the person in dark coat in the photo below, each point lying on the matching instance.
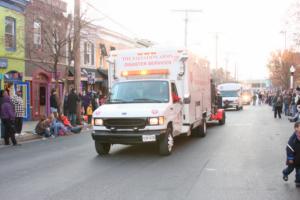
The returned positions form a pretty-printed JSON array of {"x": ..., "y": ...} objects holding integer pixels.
[
  {"x": 73, "y": 99},
  {"x": 278, "y": 103},
  {"x": 86, "y": 100},
  {"x": 66, "y": 107},
  {"x": 2, "y": 94},
  {"x": 8, "y": 116},
  {"x": 53, "y": 101},
  {"x": 293, "y": 155}
]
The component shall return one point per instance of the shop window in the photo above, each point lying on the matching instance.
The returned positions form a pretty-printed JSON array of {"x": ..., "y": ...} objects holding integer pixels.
[
  {"x": 10, "y": 34},
  {"x": 103, "y": 54},
  {"x": 103, "y": 50}
]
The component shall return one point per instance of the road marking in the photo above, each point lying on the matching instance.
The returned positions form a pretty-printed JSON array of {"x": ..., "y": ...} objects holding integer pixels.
[
  {"x": 210, "y": 169},
  {"x": 240, "y": 124}
]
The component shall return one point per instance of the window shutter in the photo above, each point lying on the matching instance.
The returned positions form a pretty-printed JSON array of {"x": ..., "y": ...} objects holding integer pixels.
[
  {"x": 92, "y": 49},
  {"x": 85, "y": 53}
]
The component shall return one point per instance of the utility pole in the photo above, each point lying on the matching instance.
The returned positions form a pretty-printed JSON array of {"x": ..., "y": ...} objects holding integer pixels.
[
  {"x": 284, "y": 34},
  {"x": 77, "y": 74},
  {"x": 217, "y": 40},
  {"x": 186, "y": 20},
  {"x": 235, "y": 75},
  {"x": 226, "y": 68},
  {"x": 77, "y": 69}
]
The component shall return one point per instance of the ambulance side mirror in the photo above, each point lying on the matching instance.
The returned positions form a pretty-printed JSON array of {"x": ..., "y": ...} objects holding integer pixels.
[
  {"x": 182, "y": 59},
  {"x": 187, "y": 99}
]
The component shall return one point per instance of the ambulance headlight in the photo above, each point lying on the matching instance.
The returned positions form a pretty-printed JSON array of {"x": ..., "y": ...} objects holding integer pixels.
[
  {"x": 246, "y": 98},
  {"x": 98, "y": 122},
  {"x": 156, "y": 121}
]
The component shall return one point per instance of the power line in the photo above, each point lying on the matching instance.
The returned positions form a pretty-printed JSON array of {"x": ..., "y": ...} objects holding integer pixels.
[
  {"x": 186, "y": 11},
  {"x": 111, "y": 19}
]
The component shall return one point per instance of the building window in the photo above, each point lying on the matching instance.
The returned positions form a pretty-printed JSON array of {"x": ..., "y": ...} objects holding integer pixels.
[
  {"x": 37, "y": 33},
  {"x": 10, "y": 33},
  {"x": 103, "y": 54},
  {"x": 89, "y": 53}
]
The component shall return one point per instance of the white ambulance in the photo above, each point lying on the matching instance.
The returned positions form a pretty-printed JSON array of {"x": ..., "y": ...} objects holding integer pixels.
[
  {"x": 155, "y": 95},
  {"x": 231, "y": 95}
]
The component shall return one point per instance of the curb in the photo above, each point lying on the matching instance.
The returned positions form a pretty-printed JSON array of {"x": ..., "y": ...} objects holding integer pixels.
[{"x": 30, "y": 136}]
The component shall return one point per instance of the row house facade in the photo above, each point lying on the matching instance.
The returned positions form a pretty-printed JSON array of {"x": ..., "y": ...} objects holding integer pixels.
[
  {"x": 96, "y": 44},
  {"x": 46, "y": 27},
  {"x": 12, "y": 52},
  {"x": 35, "y": 53}
]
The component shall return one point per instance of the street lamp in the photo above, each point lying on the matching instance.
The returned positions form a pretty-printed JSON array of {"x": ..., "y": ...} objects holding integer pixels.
[{"x": 292, "y": 70}]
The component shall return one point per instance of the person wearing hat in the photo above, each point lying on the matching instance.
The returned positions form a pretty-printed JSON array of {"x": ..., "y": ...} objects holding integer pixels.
[
  {"x": 19, "y": 110},
  {"x": 53, "y": 102}
]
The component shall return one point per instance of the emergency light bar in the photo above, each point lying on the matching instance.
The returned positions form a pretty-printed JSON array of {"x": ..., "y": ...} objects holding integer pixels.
[{"x": 145, "y": 72}]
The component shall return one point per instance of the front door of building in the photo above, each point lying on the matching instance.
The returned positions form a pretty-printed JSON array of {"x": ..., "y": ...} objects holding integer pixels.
[{"x": 43, "y": 99}]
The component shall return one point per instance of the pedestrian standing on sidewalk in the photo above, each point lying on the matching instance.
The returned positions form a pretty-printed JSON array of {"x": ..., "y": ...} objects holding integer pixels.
[
  {"x": 53, "y": 101},
  {"x": 73, "y": 100},
  {"x": 86, "y": 100},
  {"x": 278, "y": 101},
  {"x": 286, "y": 103},
  {"x": 8, "y": 116},
  {"x": 254, "y": 98},
  {"x": 65, "y": 106},
  {"x": 19, "y": 110},
  {"x": 293, "y": 105},
  {"x": 293, "y": 155},
  {"x": 89, "y": 113},
  {"x": 2, "y": 93}
]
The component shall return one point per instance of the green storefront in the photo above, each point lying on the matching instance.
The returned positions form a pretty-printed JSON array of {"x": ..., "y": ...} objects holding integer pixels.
[
  {"x": 12, "y": 44},
  {"x": 12, "y": 48}
]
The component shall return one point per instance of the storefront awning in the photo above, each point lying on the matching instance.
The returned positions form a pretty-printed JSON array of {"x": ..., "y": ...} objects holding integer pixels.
[{"x": 86, "y": 73}]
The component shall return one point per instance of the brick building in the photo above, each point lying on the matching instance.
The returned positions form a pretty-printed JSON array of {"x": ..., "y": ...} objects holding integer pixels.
[{"x": 46, "y": 51}]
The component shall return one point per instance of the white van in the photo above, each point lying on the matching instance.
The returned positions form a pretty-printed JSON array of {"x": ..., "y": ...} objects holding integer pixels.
[
  {"x": 231, "y": 95},
  {"x": 155, "y": 95}
]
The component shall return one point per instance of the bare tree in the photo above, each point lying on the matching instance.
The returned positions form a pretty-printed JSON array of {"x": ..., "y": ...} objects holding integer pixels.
[
  {"x": 50, "y": 39},
  {"x": 279, "y": 67},
  {"x": 221, "y": 76},
  {"x": 47, "y": 40}
]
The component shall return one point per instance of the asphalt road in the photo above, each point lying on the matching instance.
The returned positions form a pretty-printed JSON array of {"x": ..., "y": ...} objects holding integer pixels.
[{"x": 241, "y": 160}]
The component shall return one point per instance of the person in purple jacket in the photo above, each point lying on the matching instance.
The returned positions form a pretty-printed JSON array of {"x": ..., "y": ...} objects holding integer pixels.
[{"x": 8, "y": 116}]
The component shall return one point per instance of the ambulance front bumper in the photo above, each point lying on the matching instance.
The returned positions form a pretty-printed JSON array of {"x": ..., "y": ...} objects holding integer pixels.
[{"x": 128, "y": 137}]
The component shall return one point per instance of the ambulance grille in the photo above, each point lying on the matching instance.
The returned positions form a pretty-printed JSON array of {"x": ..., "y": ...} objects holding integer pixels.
[{"x": 125, "y": 123}]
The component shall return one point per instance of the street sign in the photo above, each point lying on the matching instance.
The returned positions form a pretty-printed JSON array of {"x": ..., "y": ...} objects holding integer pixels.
[
  {"x": 3, "y": 63},
  {"x": 91, "y": 77}
]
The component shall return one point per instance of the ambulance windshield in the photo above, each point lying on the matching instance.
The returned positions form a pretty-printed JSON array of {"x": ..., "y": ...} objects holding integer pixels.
[
  {"x": 229, "y": 93},
  {"x": 140, "y": 92}
]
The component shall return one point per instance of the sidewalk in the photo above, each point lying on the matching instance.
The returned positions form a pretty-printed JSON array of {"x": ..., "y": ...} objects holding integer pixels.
[{"x": 28, "y": 132}]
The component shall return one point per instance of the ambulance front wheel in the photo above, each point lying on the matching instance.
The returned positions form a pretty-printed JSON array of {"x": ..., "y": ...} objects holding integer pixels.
[
  {"x": 102, "y": 148},
  {"x": 166, "y": 142}
]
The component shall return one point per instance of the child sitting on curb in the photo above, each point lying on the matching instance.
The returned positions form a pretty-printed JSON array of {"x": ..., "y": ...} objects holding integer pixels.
[
  {"x": 57, "y": 128},
  {"x": 43, "y": 126},
  {"x": 293, "y": 155},
  {"x": 64, "y": 119}
]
